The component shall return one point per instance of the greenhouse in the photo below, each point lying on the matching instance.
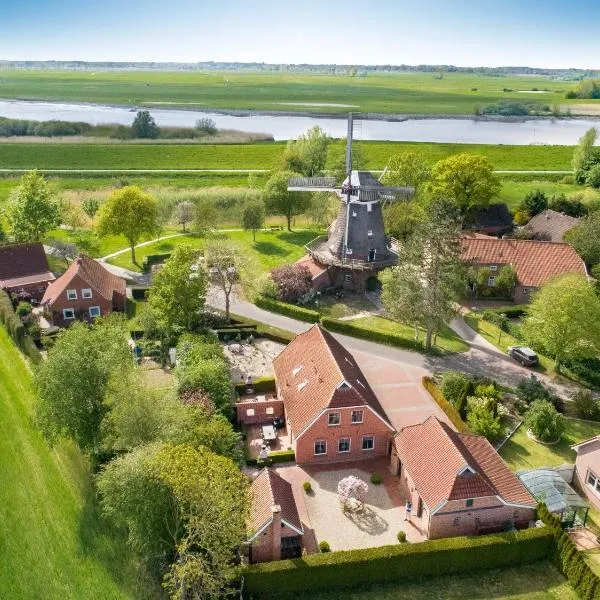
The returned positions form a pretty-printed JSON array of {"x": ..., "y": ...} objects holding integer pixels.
[{"x": 547, "y": 486}]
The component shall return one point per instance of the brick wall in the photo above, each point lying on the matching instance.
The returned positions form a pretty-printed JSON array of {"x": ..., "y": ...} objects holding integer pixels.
[
  {"x": 35, "y": 289},
  {"x": 588, "y": 459},
  {"x": 260, "y": 411},
  {"x": 372, "y": 425},
  {"x": 263, "y": 545}
]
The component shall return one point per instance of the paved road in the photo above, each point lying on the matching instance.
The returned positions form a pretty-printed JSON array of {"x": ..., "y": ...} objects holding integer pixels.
[{"x": 482, "y": 359}]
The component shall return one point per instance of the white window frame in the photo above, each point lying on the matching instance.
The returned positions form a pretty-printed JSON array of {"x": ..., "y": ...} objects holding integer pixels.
[
  {"x": 94, "y": 308},
  {"x": 270, "y": 410},
  {"x": 491, "y": 281},
  {"x": 71, "y": 294},
  {"x": 596, "y": 485},
  {"x": 369, "y": 207},
  {"x": 250, "y": 412},
  {"x": 349, "y": 251},
  {"x": 334, "y": 414},
  {"x": 368, "y": 437},
  {"x": 362, "y": 417},
  {"x": 71, "y": 311},
  {"x": 344, "y": 439},
  {"x": 493, "y": 267},
  {"x": 86, "y": 293},
  {"x": 347, "y": 278},
  {"x": 370, "y": 233},
  {"x": 324, "y": 444}
]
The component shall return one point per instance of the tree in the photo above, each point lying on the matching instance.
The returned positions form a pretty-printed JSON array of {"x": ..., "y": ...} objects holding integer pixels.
[
  {"x": 482, "y": 419},
  {"x": 408, "y": 169},
  {"x": 585, "y": 238},
  {"x": 544, "y": 421},
  {"x": 322, "y": 209},
  {"x": 253, "y": 215},
  {"x": 564, "y": 319},
  {"x": 573, "y": 207},
  {"x": 507, "y": 279},
  {"x": 90, "y": 206},
  {"x": 279, "y": 201},
  {"x": 212, "y": 376},
  {"x": 33, "y": 210},
  {"x": 144, "y": 126},
  {"x": 184, "y": 213},
  {"x": 466, "y": 179},
  {"x": 402, "y": 218},
  {"x": 431, "y": 277},
  {"x": 351, "y": 489},
  {"x": 308, "y": 154},
  {"x": 593, "y": 176},
  {"x": 292, "y": 281},
  {"x": 62, "y": 249},
  {"x": 583, "y": 154},
  {"x": 229, "y": 266},
  {"x": 178, "y": 290},
  {"x": 218, "y": 435},
  {"x": 534, "y": 203},
  {"x": 456, "y": 388},
  {"x": 206, "y": 126},
  {"x": 131, "y": 213},
  {"x": 206, "y": 216},
  {"x": 213, "y": 501},
  {"x": 74, "y": 381}
]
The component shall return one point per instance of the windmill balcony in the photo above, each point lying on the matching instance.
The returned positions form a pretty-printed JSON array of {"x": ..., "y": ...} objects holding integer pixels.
[{"x": 319, "y": 250}]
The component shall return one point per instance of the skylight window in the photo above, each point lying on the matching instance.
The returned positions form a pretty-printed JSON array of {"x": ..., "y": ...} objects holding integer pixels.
[
  {"x": 296, "y": 370},
  {"x": 302, "y": 385}
]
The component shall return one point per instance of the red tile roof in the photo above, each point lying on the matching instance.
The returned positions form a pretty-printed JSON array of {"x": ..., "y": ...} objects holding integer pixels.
[
  {"x": 270, "y": 489},
  {"x": 313, "y": 266},
  {"x": 535, "y": 262},
  {"x": 315, "y": 372},
  {"x": 446, "y": 465},
  {"x": 21, "y": 264},
  {"x": 102, "y": 281}
]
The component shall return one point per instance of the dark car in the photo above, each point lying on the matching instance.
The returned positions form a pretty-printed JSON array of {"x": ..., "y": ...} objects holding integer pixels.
[
  {"x": 524, "y": 355},
  {"x": 279, "y": 422}
]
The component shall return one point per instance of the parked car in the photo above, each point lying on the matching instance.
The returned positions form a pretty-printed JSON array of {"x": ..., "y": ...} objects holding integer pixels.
[
  {"x": 524, "y": 355},
  {"x": 279, "y": 422}
]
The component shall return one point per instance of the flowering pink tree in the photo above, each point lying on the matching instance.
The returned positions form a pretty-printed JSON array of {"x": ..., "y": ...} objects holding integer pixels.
[
  {"x": 352, "y": 491},
  {"x": 293, "y": 281}
]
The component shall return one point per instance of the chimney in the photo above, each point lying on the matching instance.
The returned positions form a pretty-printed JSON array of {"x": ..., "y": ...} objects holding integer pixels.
[{"x": 276, "y": 532}]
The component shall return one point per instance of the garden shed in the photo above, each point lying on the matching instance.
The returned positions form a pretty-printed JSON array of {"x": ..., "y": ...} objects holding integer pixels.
[{"x": 549, "y": 487}]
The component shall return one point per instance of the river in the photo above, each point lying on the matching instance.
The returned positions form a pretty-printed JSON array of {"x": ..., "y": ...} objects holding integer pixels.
[{"x": 462, "y": 130}]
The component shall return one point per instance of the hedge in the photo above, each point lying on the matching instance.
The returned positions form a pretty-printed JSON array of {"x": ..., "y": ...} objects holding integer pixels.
[
  {"x": 154, "y": 259},
  {"x": 275, "y": 334},
  {"x": 373, "y": 335},
  {"x": 16, "y": 329},
  {"x": 569, "y": 560},
  {"x": 587, "y": 369},
  {"x": 260, "y": 385},
  {"x": 354, "y": 568},
  {"x": 446, "y": 406},
  {"x": 512, "y": 312},
  {"x": 289, "y": 310},
  {"x": 139, "y": 293},
  {"x": 278, "y": 456}
]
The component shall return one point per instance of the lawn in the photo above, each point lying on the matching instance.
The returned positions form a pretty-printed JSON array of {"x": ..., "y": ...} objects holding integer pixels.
[
  {"x": 424, "y": 93},
  {"x": 53, "y": 545},
  {"x": 447, "y": 340},
  {"x": 262, "y": 155},
  {"x": 521, "y": 452},
  {"x": 513, "y": 192},
  {"x": 539, "y": 581},
  {"x": 271, "y": 249}
]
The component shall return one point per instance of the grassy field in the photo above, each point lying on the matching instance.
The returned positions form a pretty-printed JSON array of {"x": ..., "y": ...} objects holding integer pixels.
[
  {"x": 53, "y": 544},
  {"x": 423, "y": 93},
  {"x": 521, "y": 452},
  {"x": 539, "y": 581},
  {"x": 261, "y": 155},
  {"x": 271, "y": 249}
]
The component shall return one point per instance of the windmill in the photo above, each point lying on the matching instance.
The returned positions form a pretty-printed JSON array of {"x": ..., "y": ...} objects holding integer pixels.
[{"x": 357, "y": 246}]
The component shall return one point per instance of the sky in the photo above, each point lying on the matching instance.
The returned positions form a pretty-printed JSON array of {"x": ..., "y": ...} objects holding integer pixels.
[{"x": 536, "y": 33}]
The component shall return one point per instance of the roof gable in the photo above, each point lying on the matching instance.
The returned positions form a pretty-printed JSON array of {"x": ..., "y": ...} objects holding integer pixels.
[
  {"x": 21, "y": 261},
  {"x": 551, "y": 225},
  {"x": 100, "y": 280},
  {"x": 446, "y": 465},
  {"x": 314, "y": 373},
  {"x": 535, "y": 262}
]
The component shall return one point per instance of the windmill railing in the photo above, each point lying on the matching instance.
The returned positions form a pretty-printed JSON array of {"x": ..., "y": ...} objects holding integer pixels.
[
  {"x": 311, "y": 182},
  {"x": 318, "y": 249}
]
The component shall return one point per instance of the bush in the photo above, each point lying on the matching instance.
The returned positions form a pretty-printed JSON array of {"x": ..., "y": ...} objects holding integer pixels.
[
  {"x": 23, "y": 309},
  {"x": 324, "y": 546},
  {"x": 354, "y": 568},
  {"x": 587, "y": 369},
  {"x": 530, "y": 389},
  {"x": 16, "y": 329},
  {"x": 585, "y": 405},
  {"x": 456, "y": 388},
  {"x": 544, "y": 421},
  {"x": 593, "y": 176},
  {"x": 307, "y": 487},
  {"x": 483, "y": 418},
  {"x": 289, "y": 310},
  {"x": 154, "y": 259},
  {"x": 401, "y": 535},
  {"x": 292, "y": 281},
  {"x": 278, "y": 456},
  {"x": 376, "y": 479},
  {"x": 568, "y": 206},
  {"x": 512, "y": 312},
  {"x": 521, "y": 217},
  {"x": 534, "y": 203},
  {"x": 450, "y": 411}
]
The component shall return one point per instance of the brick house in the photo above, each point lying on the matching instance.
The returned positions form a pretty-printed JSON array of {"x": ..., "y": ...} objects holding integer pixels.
[
  {"x": 535, "y": 262},
  {"x": 331, "y": 411},
  {"x": 24, "y": 268},
  {"x": 457, "y": 482},
  {"x": 86, "y": 290},
  {"x": 587, "y": 469},
  {"x": 275, "y": 529}
]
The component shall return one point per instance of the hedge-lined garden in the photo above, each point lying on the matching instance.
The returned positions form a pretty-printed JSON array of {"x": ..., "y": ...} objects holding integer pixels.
[
  {"x": 354, "y": 568},
  {"x": 16, "y": 329},
  {"x": 435, "y": 392}
]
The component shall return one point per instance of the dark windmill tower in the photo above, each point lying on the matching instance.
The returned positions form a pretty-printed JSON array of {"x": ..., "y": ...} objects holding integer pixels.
[{"x": 357, "y": 246}]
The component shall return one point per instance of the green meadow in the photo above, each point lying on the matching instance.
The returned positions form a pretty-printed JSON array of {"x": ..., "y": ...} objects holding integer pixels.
[{"x": 416, "y": 93}]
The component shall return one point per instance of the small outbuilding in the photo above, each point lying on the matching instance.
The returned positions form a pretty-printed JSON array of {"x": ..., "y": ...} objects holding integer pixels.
[{"x": 24, "y": 270}]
